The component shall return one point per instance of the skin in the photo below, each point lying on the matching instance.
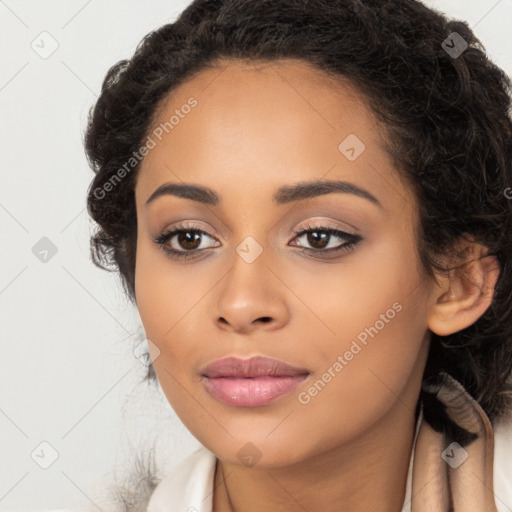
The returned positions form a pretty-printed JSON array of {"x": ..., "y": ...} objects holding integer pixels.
[{"x": 254, "y": 129}]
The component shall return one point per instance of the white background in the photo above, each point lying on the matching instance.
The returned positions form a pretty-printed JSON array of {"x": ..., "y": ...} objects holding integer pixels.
[{"x": 67, "y": 372}]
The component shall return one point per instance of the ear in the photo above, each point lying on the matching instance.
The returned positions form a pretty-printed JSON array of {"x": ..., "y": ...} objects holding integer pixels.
[{"x": 464, "y": 295}]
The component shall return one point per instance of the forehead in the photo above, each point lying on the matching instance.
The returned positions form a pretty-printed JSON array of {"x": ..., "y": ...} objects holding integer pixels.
[
  {"x": 226, "y": 81},
  {"x": 260, "y": 124}
]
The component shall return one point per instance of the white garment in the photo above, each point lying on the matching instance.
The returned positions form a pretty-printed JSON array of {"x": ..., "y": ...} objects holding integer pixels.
[{"x": 188, "y": 487}]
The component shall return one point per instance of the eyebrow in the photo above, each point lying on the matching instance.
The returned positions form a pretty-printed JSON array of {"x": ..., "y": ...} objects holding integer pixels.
[{"x": 284, "y": 195}]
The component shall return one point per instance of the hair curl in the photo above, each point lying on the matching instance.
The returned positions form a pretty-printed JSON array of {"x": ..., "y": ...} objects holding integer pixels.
[{"x": 447, "y": 122}]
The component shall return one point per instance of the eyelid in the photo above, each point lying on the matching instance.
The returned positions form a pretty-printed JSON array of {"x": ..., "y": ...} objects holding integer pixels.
[{"x": 317, "y": 224}]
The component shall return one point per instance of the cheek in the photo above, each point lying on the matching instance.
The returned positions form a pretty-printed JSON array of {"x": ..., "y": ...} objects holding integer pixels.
[
  {"x": 157, "y": 302},
  {"x": 164, "y": 291},
  {"x": 164, "y": 301},
  {"x": 377, "y": 314},
  {"x": 379, "y": 285},
  {"x": 373, "y": 378},
  {"x": 168, "y": 301}
]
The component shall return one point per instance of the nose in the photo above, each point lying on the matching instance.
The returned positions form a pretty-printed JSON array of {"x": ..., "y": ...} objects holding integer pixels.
[{"x": 251, "y": 297}]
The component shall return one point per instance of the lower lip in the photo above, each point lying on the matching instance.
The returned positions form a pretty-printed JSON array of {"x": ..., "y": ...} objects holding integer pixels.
[{"x": 251, "y": 392}]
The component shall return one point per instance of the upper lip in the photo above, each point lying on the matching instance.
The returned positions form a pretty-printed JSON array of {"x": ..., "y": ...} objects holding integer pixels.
[{"x": 256, "y": 366}]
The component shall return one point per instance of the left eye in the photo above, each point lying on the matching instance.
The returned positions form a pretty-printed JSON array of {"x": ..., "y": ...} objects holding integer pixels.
[
  {"x": 186, "y": 237},
  {"x": 320, "y": 238}
]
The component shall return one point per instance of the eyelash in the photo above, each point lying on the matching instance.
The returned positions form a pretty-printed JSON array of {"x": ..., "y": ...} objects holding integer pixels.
[{"x": 163, "y": 238}]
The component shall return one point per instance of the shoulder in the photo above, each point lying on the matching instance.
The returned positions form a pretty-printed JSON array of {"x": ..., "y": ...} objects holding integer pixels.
[
  {"x": 503, "y": 465},
  {"x": 188, "y": 486}
]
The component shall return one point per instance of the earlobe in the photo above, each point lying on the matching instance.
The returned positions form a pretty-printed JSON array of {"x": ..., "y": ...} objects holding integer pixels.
[{"x": 466, "y": 293}]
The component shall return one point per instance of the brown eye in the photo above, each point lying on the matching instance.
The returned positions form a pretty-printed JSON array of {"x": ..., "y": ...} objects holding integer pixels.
[
  {"x": 183, "y": 240},
  {"x": 188, "y": 239},
  {"x": 319, "y": 238}
]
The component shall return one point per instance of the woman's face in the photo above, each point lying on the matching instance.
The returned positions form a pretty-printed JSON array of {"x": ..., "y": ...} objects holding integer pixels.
[{"x": 355, "y": 318}]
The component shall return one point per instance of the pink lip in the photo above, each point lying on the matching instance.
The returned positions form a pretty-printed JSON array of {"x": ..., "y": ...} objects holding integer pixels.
[{"x": 251, "y": 382}]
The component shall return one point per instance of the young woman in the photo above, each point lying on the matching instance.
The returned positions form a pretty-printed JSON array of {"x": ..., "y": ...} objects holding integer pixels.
[{"x": 309, "y": 202}]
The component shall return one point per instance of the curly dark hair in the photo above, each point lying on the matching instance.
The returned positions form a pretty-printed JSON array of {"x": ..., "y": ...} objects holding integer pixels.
[{"x": 447, "y": 121}]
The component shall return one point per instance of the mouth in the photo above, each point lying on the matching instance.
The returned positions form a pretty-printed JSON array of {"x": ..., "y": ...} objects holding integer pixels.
[
  {"x": 251, "y": 391},
  {"x": 251, "y": 382}
]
